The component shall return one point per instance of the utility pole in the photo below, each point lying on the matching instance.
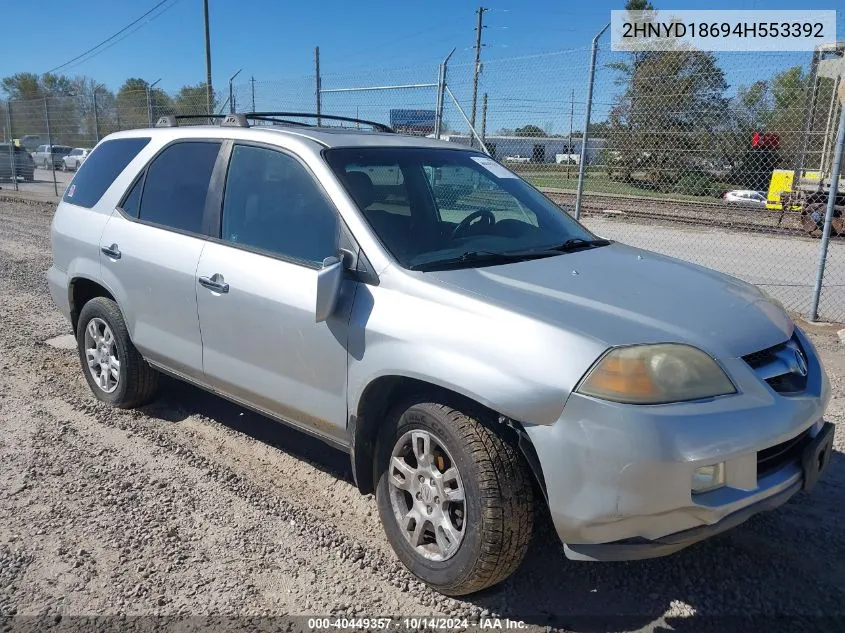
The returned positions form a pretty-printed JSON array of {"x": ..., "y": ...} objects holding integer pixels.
[
  {"x": 231, "y": 92},
  {"x": 208, "y": 89},
  {"x": 252, "y": 81},
  {"x": 478, "y": 29},
  {"x": 96, "y": 116},
  {"x": 569, "y": 145},
  {"x": 484, "y": 118},
  {"x": 441, "y": 94},
  {"x": 319, "y": 86},
  {"x": 150, "y": 87}
]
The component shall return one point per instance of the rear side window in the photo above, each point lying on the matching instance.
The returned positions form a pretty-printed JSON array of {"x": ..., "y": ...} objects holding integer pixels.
[
  {"x": 132, "y": 202},
  {"x": 177, "y": 184},
  {"x": 100, "y": 169}
]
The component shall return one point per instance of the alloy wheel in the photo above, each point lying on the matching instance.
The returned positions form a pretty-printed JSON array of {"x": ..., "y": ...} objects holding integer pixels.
[
  {"x": 101, "y": 355},
  {"x": 427, "y": 495}
]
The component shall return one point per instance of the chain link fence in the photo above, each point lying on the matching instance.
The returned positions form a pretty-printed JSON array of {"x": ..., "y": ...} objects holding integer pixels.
[{"x": 722, "y": 159}]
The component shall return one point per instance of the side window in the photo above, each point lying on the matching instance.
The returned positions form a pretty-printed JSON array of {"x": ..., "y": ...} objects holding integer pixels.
[
  {"x": 274, "y": 204},
  {"x": 132, "y": 202},
  {"x": 177, "y": 185},
  {"x": 100, "y": 169}
]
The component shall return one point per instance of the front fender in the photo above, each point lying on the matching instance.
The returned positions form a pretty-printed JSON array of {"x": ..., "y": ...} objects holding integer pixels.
[{"x": 515, "y": 365}]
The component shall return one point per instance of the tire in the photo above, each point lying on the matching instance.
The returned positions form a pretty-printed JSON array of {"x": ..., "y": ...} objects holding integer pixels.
[
  {"x": 136, "y": 381},
  {"x": 491, "y": 528}
]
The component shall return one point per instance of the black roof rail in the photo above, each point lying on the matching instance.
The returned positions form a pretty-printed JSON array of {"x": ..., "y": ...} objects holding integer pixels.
[
  {"x": 241, "y": 119},
  {"x": 267, "y": 116}
]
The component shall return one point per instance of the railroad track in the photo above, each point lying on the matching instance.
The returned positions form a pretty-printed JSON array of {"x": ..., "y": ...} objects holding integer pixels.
[{"x": 689, "y": 214}]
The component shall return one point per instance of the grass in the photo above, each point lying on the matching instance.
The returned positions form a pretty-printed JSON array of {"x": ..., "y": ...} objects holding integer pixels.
[{"x": 600, "y": 183}]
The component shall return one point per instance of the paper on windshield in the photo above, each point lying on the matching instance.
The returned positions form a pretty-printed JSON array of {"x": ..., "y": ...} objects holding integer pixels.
[{"x": 493, "y": 167}]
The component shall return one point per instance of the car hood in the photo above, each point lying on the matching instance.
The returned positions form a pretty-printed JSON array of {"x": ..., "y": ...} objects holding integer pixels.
[{"x": 620, "y": 295}]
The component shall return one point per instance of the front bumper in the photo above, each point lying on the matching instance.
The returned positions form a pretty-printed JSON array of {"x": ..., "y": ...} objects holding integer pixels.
[{"x": 618, "y": 477}]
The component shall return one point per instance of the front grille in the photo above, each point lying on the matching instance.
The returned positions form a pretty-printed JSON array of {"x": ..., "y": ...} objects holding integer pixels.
[
  {"x": 776, "y": 457},
  {"x": 764, "y": 356},
  {"x": 779, "y": 366}
]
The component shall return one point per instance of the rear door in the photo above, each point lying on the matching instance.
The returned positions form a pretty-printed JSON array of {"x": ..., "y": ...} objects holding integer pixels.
[
  {"x": 150, "y": 249},
  {"x": 257, "y": 294}
]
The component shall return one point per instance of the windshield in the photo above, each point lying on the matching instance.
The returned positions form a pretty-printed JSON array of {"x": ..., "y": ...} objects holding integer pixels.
[
  {"x": 451, "y": 207},
  {"x": 61, "y": 149}
]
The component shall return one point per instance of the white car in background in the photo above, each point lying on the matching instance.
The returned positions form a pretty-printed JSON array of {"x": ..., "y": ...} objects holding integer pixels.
[
  {"x": 75, "y": 158},
  {"x": 747, "y": 197}
]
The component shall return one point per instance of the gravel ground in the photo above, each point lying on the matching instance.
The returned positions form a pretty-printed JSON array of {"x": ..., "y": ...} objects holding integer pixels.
[{"x": 192, "y": 505}]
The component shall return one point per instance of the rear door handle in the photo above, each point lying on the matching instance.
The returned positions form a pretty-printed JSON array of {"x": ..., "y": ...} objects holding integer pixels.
[
  {"x": 111, "y": 251},
  {"x": 214, "y": 283}
]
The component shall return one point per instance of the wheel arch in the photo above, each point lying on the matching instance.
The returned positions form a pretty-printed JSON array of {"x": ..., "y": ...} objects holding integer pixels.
[
  {"x": 80, "y": 291},
  {"x": 384, "y": 392}
]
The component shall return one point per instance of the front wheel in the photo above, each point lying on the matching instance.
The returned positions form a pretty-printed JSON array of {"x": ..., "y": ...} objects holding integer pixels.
[{"x": 454, "y": 496}]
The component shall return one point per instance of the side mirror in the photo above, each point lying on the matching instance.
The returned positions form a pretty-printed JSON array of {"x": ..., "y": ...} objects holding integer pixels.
[{"x": 329, "y": 280}]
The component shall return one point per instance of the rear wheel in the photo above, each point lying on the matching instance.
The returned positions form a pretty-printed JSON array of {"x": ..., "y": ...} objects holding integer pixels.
[
  {"x": 116, "y": 372},
  {"x": 455, "y": 498}
]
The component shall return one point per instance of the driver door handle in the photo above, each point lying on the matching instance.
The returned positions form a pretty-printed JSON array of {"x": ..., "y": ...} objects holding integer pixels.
[{"x": 214, "y": 283}]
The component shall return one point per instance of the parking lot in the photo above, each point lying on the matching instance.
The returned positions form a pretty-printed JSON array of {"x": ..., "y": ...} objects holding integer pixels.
[
  {"x": 193, "y": 505},
  {"x": 783, "y": 265},
  {"x": 42, "y": 186}
]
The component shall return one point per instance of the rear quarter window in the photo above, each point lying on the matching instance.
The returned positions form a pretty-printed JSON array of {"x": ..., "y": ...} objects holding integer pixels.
[{"x": 100, "y": 169}]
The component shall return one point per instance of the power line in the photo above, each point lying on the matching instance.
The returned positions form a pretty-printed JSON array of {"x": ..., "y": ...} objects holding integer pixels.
[{"x": 108, "y": 39}]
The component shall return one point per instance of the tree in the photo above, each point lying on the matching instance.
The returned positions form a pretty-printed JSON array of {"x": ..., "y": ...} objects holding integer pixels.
[
  {"x": 660, "y": 127},
  {"x": 529, "y": 130},
  {"x": 601, "y": 129},
  {"x": 192, "y": 100},
  {"x": 22, "y": 86},
  {"x": 133, "y": 108},
  {"x": 776, "y": 107},
  {"x": 34, "y": 97}
]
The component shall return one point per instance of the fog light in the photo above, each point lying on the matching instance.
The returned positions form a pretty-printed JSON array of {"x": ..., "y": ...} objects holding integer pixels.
[{"x": 708, "y": 477}]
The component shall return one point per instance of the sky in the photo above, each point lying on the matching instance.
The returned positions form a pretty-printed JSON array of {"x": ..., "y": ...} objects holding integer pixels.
[{"x": 273, "y": 41}]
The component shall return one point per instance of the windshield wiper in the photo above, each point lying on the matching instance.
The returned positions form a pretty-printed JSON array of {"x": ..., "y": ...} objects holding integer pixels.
[
  {"x": 469, "y": 258},
  {"x": 578, "y": 243}
]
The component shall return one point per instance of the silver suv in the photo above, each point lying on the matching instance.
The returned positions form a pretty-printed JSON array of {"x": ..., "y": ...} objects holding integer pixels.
[{"x": 475, "y": 350}]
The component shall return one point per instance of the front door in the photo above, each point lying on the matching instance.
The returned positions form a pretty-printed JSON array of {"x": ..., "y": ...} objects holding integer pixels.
[{"x": 257, "y": 293}]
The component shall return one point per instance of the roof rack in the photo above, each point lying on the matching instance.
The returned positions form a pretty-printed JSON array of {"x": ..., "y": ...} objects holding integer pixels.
[
  {"x": 273, "y": 119},
  {"x": 228, "y": 120},
  {"x": 242, "y": 119},
  {"x": 270, "y": 116}
]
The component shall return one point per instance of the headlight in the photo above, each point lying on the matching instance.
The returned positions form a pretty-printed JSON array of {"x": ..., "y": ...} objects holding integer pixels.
[{"x": 656, "y": 374}]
